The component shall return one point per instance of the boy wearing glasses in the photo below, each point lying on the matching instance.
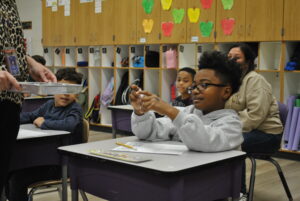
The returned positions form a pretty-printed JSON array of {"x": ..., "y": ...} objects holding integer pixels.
[{"x": 205, "y": 125}]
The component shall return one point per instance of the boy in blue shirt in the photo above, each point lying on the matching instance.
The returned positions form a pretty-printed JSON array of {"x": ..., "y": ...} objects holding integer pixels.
[
  {"x": 62, "y": 113},
  {"x": 184, "y": 80}
]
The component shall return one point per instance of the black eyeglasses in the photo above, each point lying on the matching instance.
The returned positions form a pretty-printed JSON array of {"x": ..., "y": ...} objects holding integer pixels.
[{"x": 203, "y": 86}]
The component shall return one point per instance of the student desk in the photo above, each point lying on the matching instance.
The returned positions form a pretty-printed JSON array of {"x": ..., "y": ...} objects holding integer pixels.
[
  {"x": 31, "y": 103},
  {"x": 120, "y": 116},
  {"x": 37, "y": 147},
  {"x": 191, "y": 176}
]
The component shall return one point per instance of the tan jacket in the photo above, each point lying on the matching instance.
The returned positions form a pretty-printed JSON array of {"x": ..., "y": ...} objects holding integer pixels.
[{"x": 256, "y": 106}]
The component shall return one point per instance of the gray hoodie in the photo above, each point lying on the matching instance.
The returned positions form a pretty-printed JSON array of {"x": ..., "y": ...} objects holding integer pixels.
[{"x": 220, "y": 130}]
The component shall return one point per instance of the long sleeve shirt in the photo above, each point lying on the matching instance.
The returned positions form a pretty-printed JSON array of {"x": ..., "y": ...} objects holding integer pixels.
[
  {"x": 216, "y": 131},
  {"x": 67, "y": 118},
  {"x": 11, "y": 36},
  {"x": 256, "y": 105}
]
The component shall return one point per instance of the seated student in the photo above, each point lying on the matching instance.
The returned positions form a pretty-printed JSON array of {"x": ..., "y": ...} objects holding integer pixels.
[
  {"x": 62, "y": 113},
  {"x": 203, "y": 126},
  {"x": 184, "y": 80}
]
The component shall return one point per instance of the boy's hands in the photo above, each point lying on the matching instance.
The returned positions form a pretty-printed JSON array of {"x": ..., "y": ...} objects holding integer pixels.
[
  {"x": 143, "y": 101},
  {"x": 135, "y": 100},
  {"x": 39, "y": 121}
]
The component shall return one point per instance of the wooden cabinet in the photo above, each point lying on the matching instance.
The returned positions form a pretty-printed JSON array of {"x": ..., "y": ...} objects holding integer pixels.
[
  {"x": 177, "y": 31},
  {"x": 124, "y": 21},
  {"x": 206, "y": 15},
  {"x": 86, "y": 33},
  {"x": 105, "y": 34},
  {"x": 48, "y": 25},
  {"x": 105, "y": 39},
  {"x": 264, "y": 20},
  {"x": 64, "y": 26},
  {"x": 233, "y": 18},
  {"x": 148, "y": 20},
  {"x": 291, "y": 20}
]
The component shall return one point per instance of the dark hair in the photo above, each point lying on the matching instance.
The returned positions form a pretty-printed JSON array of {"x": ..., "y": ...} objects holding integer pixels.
[
  {"x": 227, "y": 70},
  {"x": 248, "y": 53},
  {"x": 69, "y": 74},
  {"x": 39, "y": 59},
  {"x": 188, "y": 70}
]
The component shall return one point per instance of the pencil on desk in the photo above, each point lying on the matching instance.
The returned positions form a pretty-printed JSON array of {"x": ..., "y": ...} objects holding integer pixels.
[{"x": 125, "y": 145}]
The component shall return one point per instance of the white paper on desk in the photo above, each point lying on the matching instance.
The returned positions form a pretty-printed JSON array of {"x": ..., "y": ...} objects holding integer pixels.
[
  {"x": 29, "y": 133},
  {"x": 153, "y": 148}
]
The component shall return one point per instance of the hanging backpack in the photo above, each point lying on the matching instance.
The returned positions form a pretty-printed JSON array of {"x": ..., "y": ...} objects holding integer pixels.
[
  {"x": 122, "y": 96},
  {"x": 108, "y": 93},
  {"x": 171, "y": 58},
  {"x": 93, "y": 113},
  {"x": 122, "y": 87},
  {"x": 125, "y": 94}
]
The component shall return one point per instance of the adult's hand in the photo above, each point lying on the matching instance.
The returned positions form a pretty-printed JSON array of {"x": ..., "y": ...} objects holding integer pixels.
[
  {"x": 7, "y": 81},
  {"x": 39, "y": 72}
]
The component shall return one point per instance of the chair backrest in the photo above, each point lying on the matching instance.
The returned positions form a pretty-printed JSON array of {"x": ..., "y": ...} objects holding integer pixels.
[
  {"x": 86, "y": 131},
  {"x": 283, "y": 111}
]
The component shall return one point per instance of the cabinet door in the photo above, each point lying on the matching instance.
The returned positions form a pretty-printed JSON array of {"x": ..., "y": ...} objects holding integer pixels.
[
  {"x": 206, "y": 15},
  {"x": 105, "y": 29},
  {"x": 264, "y": 20},
  {"x": 86, "y": 23},
  {"x": 144, "y": 19},
  {"x": 177, "y": 31},
  {"x": 48, "y": 25},
  {"x": 230, "y": 24},
  {"x": 125, "y": 21},
  {"x": 64, "y": 26},
  {"x": 291, "y": 20}
]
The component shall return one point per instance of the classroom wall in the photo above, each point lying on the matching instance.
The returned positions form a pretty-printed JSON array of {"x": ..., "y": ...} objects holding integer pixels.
[{"x": 30, "y": 10}]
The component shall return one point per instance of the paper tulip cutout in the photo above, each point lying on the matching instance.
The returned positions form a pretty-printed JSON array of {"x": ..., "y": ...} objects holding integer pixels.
[
  {"x": 227, "y": 4},
  {"x": 148, "y": 25},
  {"x": 227, "y": 26},
  {"x": 166, "y": 4},
  {"x": 206, "y": 4},
  {"x": 178, "y": 15},
  {"x": 167, "y": 28},
  {"x": 148, "y": 5},
  {"x": 193, "y": 14},
  {"x": 206, "y": 28}
]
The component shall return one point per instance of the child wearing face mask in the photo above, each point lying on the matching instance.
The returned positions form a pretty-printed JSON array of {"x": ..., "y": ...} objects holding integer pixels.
[
  {"x": 184, "y": 80},
  {"x": 62, "y": 113}
]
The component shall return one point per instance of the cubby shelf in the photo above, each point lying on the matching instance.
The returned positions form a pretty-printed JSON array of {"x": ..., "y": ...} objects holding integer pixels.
[
  {"x": 289, "y": 151},
  {"x": 104, "y": 62}
]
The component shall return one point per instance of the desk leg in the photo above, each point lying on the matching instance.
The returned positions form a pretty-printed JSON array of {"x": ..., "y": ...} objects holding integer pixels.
[
  {"x": 75, "y": 195},
  {"x": 64, "y": 180},
  {"x": 176, "y": 190},
  {"x": 3, "y": 197},
  {"x": 114, "y": 133}
]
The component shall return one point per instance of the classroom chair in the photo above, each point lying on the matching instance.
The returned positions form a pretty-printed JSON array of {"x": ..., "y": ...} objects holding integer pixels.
[
  {"x": 268, "y": 157},
  {"x": 56, "y": 185}
]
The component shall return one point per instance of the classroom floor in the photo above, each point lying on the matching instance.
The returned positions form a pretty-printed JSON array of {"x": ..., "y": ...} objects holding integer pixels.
[{"x": 268, "y": 186}]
